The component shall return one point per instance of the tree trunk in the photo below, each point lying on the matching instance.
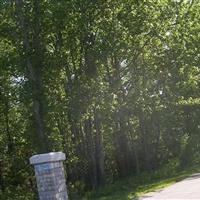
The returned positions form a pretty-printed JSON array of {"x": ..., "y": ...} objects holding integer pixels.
[
  {"x": 91, "y": 153},
  {"x": 122, "y": 149},
  {"x": 157, "y": 143},
  {"x": 134, "y": 150},
  {"x": 144, "y": 140},
  {"x": 33, "y": 61},
  {"x": 1, "y": 178},
  {"x": 99, "y": 149},
  {"x": 8, "y": 133}
]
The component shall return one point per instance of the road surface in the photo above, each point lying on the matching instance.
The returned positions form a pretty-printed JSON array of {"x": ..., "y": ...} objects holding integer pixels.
[{"x": 188, "y": 188}]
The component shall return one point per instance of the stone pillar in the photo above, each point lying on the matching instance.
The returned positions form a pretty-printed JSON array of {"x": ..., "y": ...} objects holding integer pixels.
[{"x": 50, "y": 175}]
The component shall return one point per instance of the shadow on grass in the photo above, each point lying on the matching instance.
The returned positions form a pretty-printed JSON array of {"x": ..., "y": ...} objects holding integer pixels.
[{"x": 132, "y": 187}]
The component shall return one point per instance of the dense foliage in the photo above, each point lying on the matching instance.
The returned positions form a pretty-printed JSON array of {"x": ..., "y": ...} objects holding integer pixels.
[{"x": 112, "y": 83}]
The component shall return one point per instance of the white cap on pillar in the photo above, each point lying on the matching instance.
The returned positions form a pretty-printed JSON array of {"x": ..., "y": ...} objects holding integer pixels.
[{"x": 47, "y": 157}]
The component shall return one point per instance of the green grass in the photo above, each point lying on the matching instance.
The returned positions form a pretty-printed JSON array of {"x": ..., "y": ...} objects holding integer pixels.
[{"x": 134, "y": 186}]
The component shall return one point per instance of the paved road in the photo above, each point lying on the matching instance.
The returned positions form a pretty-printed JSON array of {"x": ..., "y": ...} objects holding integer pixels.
[{"x": 188, "y": 188}]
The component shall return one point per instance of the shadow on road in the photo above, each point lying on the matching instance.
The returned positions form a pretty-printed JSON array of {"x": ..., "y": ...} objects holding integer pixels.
[
  {"x": 143, "y": 197},
  {"x": 194, "y": 176}
]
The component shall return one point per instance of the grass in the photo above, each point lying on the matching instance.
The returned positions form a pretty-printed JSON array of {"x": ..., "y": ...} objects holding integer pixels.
[{"x": 134, "y": 186}]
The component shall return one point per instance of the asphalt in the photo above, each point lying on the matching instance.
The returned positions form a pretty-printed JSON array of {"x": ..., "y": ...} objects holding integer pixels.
[{"x": 188, "y": 188}]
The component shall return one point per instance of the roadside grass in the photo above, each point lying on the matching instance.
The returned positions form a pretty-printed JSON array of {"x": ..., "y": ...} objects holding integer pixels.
[{"x": 131, "y": 187}]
